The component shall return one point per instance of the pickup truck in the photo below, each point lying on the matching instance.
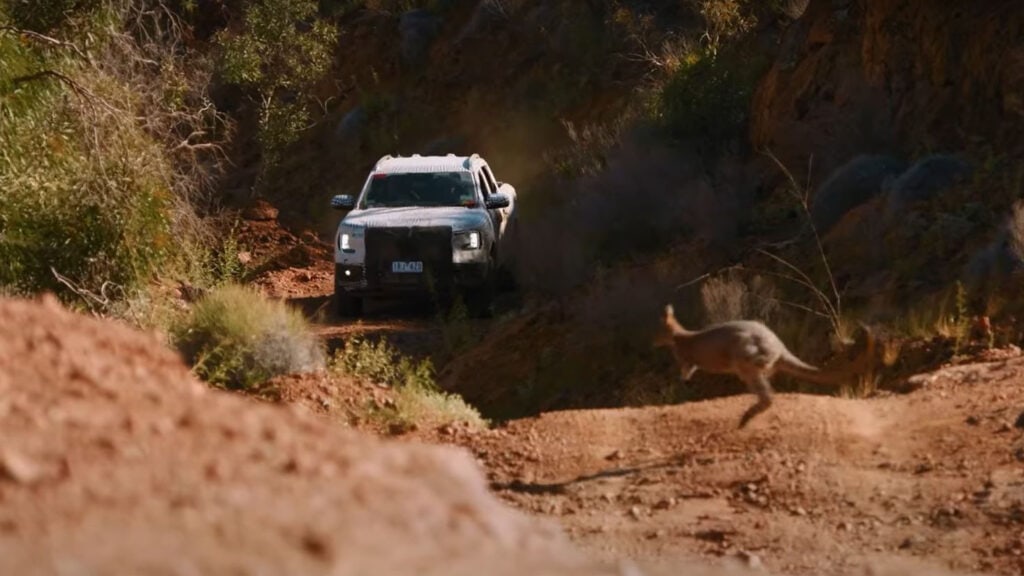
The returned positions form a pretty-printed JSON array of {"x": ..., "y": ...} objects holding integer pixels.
[{"x": 424, "y": 224}]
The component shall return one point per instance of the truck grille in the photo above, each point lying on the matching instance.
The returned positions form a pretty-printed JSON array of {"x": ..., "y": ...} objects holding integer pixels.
[{"x": 431, "y": 245}]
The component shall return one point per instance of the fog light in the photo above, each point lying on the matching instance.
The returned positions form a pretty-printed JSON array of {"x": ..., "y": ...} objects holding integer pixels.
[{"x": 348, "y": 272}]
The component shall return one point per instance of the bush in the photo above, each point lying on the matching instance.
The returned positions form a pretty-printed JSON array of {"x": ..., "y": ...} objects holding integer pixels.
[
  {"x": 724, "y": 20},
  {"x": 419, "y": 401},
  {"x": 283, "y": 51},
  {"x": 44, "y": 15},
  {"x": 82, "y": 190},
  {"x": 103, "y": 159},
  {"x": 707, "y": 99},
  {"x": 236, "y": 338},
  {"x": 727, "y": 298}
]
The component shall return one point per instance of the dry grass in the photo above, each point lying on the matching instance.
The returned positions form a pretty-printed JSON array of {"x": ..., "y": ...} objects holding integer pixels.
[
  {"x": 236, "y": 338},
  {"x": 724, "y": 20},
  {"x": 419, "y": 402},
  {"x": 729, "y": 298}
]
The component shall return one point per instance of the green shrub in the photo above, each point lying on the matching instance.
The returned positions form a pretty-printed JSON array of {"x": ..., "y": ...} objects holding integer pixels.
[
  {"x": 236, "y": 338},
  {"x": 82, "y": 189},
  {"x": 44, "y": 15},
  {"x": 707, "y": 99},
  {"x": 101, "y": 160},
  {"x": 418, "y": 399},
  {"x": 215, "y": 261}
]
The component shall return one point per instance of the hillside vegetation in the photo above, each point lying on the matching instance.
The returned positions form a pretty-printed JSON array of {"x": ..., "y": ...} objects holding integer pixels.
[{"x": 812, "y": 164}]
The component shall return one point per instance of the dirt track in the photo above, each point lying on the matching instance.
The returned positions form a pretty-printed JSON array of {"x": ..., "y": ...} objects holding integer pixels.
[{"x": 817, "y": 486}]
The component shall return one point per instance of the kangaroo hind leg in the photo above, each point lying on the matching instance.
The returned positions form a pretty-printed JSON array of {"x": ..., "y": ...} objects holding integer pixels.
[{"x": 758, "y": 385}]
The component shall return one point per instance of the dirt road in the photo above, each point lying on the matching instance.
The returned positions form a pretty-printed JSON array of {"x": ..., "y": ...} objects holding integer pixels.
[{"x": 816, "y": 486}]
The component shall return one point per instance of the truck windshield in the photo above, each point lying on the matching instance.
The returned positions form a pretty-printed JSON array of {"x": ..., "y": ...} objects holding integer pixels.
[{"x": 427, "y": 189}]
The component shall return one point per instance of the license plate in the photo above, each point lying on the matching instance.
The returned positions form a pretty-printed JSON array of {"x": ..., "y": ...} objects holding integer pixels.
[{"x": 407, "y": 267}]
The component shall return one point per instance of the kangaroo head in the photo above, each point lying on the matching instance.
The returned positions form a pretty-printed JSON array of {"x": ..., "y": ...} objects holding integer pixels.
[{"x": 667, "y": 328}]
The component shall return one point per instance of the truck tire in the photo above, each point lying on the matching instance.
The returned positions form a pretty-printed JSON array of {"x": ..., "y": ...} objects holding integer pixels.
[{"x": 347, "y": 306}]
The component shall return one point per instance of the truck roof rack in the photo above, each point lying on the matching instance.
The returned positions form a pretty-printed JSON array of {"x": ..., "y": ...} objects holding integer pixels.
[
  {"x": 383, "y": 158},
  {"x": 469, "y": 161}
]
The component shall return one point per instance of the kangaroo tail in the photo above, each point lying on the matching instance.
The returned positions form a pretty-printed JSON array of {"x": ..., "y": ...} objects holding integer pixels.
[
  {"x": 865, "y": 365},
  {"x": 788, "y": 363}
]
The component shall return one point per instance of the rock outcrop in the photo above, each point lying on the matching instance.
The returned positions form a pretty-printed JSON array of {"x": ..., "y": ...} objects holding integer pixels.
[{"x": 904, "y": 77}]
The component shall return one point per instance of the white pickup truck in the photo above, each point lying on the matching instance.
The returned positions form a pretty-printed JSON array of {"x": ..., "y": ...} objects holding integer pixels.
[{"x": 438, "y": 224}]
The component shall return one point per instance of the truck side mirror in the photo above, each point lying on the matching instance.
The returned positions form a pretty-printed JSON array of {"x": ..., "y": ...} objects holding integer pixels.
[
  {"x": 343, "y": 202},
  {"x": 498, "y": 200}
]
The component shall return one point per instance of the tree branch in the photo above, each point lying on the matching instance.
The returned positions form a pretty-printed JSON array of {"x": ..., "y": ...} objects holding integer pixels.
[
  {"x": 48, "y": 40},
  {"x": 75, "y": 87}
]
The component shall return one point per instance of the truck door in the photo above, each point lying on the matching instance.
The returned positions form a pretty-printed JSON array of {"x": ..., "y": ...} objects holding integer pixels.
[{"x": 487, "y": 190}]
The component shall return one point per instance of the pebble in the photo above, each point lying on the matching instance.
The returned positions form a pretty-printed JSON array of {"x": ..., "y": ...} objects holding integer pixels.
[
  {"x": 19, "y": 469},
  {"x": 751, "y": 560},
  {"x": 665, "y": 504},
  {"x": 912, "y": 542}
]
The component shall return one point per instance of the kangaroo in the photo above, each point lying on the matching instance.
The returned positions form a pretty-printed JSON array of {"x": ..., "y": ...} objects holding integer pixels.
[{"x": 746, "y": 348}]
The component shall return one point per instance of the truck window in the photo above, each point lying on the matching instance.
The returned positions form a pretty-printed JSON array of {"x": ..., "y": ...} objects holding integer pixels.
[
  {"x": 414, "y": 189},
  {"x": 490, "y": 177},
  {"x": 485, "y": 186}
]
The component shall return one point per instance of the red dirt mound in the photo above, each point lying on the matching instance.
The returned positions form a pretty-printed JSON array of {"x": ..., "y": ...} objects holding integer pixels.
[
  {"x": 283, "y": 264},
  {"x": 113, "y": 460}
]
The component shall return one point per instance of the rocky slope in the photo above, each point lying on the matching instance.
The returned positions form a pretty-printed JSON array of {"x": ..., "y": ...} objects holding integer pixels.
[{"x": 895, "y": 76}]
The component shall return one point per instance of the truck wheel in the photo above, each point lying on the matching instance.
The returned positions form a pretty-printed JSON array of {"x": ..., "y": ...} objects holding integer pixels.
[{"x": 348, "y": 306}]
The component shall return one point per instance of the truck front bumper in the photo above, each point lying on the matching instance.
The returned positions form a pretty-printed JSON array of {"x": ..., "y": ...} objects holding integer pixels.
[{"x": 351, "y": 279}]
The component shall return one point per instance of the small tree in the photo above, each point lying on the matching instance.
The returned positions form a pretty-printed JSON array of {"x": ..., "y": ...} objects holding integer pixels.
[{"x": 283, "y": 50}]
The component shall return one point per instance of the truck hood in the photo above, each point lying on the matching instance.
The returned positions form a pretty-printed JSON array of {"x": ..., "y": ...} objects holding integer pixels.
[{"x": 457, "y": 217}]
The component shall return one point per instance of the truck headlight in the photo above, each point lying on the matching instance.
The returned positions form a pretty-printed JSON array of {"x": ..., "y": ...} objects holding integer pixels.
[
  {"x": 345, "y": 242},
  {"x": 468, "y": 240}
]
